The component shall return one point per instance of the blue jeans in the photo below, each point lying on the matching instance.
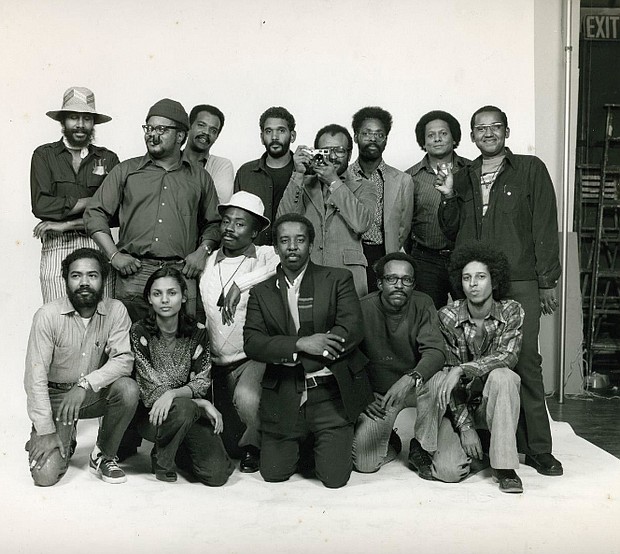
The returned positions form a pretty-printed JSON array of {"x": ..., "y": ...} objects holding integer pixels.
[{"x": 115, "y": 404}]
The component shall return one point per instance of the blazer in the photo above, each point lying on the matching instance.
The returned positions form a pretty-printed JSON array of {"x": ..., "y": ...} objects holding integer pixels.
[
  {"x": 336, "y": 308},
  {"x": 338, "y": 223},
  {"x": 397, "y": 208}
]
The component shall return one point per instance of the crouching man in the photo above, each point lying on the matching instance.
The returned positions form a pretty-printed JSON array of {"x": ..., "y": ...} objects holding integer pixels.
[
  {"x": 305, "y": 323},
  {"x": 406, "y": 352},
  {"x": 481, "y": 389},
  {"x": 77, "y": 367}
]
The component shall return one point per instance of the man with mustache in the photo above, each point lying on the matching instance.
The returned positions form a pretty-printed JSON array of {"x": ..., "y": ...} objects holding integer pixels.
[
  {"x": 166, "y": 207},
  {"x": 63, "y": 176},
  {"x": 268, "y": 176},
  {"x": 304, "y": 323},
  {"x": 226, "y": 281},
  {"x": 78, "y": 364},
  {"x": 391, "y": 219},
  {"x": 438, "y": 133},
  {"x": 205, "y": 125},
  {"x": 406, "y": 352},
  {"x": 509, "y": 200},
  {"x": 338, "y": 202}
]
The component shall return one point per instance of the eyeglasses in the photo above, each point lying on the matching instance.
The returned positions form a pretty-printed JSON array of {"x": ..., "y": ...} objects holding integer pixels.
[
  {"x": 406, "y": 280},
  {"x": 158, "y": 129},
  {"x": 493, "y": 127},
  {"x": 338, "y": 151},
  {"x": 378, "y": 135}
]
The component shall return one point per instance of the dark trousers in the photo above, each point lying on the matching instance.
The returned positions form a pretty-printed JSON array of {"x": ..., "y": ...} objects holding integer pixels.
[
  {"x": 189, "y": 440},
  {"x": 372, "y": 252},
  {"x": 533, "y": 432},
  {"x": 323, "y": 417},
  {"x": 431, "y": 275}
]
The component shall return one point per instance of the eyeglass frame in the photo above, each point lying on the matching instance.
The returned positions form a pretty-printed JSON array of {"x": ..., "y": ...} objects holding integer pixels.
[
  {"x": 482, "y": 128},
  {"x": 379, "y": 136},
  {"x": 148, "y": 129},
  {"x": 401, "y": 278},
  {"x": 332, "y": 150}
]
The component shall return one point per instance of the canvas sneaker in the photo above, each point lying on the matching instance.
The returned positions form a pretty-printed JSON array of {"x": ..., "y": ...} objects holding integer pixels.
[{"x": 106, "y": 468}]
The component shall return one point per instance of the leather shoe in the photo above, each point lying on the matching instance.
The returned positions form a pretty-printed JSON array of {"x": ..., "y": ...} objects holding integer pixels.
[
  {"x": 395, "y": 442},
  {"x": 250, "y": 461},
  {"x": 420, "y": 460},
  {"x": 508, "y": 480},
  {"x": 545, "y": 464}
]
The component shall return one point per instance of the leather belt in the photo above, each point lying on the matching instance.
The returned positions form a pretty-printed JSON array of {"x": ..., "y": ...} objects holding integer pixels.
[
  {"x": 446, "y": 252},
  {"x": 60, "y": 386},
  {"x": 319, "y": 380}
]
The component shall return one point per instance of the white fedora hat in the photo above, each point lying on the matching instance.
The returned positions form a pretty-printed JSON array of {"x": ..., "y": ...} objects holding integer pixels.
[
  {"x": 79, "y": 100},
  {"x": 248, "y": 202}
]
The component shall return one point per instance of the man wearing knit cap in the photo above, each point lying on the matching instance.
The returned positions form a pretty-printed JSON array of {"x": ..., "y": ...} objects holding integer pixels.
[
  {"x": 64, "y": 175},
  {"x": 438, "y": 133},
  {"x": 166, "y": 208},
  {"x": 225, "y": 286}
]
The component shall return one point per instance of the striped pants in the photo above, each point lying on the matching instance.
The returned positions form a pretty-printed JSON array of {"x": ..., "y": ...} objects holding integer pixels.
[{"x": 54, "y": 249}]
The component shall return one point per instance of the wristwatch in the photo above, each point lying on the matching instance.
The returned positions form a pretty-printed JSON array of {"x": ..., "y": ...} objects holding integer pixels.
[
  {"x": 207, "y": 248},
  {"x": 83, "y": 383},
  {"x": 417, "y": 378}
]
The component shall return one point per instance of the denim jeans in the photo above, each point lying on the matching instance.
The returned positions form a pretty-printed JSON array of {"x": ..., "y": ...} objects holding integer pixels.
[
  {"x": 188, "y": 439},
  {"x": 499, "y": 413},
  {"x": 130, "y": 288},
  {"x": 115, "y": 404}
]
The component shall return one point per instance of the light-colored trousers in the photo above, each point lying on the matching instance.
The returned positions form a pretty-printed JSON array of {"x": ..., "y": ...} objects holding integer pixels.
[
  {"x": 54, "y": 249},
  {"x": 371, "y": 442},
  {"x": 499, "y": 413}
]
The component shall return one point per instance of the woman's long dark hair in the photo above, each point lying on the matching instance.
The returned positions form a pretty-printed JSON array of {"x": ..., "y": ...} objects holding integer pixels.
[{"x": 187, "y": 324}]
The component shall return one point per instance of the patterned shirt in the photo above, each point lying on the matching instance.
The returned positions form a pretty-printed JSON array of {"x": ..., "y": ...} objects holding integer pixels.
[
  {"x": 374, "y": 234},
  {"x": 499, "y": 347},
  {"x": 160, "y": 368},
  {"x": 425, "y": 228}
]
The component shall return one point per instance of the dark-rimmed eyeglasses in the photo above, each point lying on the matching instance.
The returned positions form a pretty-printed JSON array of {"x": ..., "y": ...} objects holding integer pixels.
[
  {"x": 406, "y": 280},
  {"x": 377, "y": 135},
  {"x": 158, "y": 129}
]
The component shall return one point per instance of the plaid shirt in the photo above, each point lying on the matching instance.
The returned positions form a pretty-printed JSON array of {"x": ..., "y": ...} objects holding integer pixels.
[{"x": 500, "y": 347}]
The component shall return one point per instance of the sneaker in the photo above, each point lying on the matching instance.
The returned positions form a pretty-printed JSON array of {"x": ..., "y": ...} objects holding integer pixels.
[
  {"x": 420, "y": 460},
  {"x": 106, "y": 468}
]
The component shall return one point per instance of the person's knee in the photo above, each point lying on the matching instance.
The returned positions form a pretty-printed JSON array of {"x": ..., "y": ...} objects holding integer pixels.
[
  {"x": 184, "y": 409},
  {"x": 503, "y": 378},
  {"x": 366, "y": 466},
  {"x": 365, "y": 461},
  {"x": 246, "y": 400},
  {"x": 214, "y": 476},
  {"x": 334, "y": 481},
  {"x": 126, "y": 390},
  {"x": 274, "y": 475},
  {"x": 51, "y": 472},
  {"x": 449, "y": 473}
]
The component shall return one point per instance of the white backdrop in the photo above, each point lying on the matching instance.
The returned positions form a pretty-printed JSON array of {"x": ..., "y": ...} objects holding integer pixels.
[{"x": 322, "y": 59}]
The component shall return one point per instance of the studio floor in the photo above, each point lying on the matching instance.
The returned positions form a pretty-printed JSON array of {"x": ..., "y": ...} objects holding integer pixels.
[{"x": 391, "y": 511}]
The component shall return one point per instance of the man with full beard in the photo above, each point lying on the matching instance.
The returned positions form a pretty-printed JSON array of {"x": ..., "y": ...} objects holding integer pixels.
[
  {"x": 392, "y": 217},
  {"x": 78, "y": 364},
  {"x": 167, "y": 211},
  {"x": 268, "y": 176},
  {"x": 64, "y": 175},
  {"x": 205, "y": 125}
]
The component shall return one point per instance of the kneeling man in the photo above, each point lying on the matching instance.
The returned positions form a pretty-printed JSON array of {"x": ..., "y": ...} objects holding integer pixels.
[
  {"x": 405, "y": 349},
  {"x": 481, "y": 390},
  {"x": 77, "y": 367},
  {"x": 305, "y": 323}
]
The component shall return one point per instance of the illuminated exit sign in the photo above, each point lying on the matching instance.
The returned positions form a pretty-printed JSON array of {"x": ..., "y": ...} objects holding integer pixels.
[{"x": 600, "y": 23}]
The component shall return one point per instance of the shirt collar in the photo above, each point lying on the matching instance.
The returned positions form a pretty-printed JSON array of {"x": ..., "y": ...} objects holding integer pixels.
[
  {"x": 249, "y": 252},
  {"x": 463, "y": 313},
  {"x": 297, "y": 281},
  {"x": 83, "y": 151},
  {"x": 147, "y": 159},
  {"x": 357, "y": 169},
  {"x": 67, "y": 308}
]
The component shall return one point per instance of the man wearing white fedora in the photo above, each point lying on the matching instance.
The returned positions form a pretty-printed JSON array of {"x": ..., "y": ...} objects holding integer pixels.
[
  {"x": 230, "y": 273},
  {"x": 64, "y": 175}
]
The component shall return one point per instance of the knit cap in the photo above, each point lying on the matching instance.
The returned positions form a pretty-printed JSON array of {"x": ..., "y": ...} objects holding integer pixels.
[{"x": 172, "y": 110}]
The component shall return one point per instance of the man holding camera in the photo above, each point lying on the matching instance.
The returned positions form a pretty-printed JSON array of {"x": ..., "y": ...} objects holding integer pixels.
[{"x": 339, "y": 204}]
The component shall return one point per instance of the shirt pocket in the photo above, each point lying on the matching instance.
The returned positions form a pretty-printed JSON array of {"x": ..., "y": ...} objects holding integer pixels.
[{"x": 353, "y": 257}]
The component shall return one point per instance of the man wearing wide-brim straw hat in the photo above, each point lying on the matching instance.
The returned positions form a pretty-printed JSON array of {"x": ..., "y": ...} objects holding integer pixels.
[
  {"x": 64, "y": 175},
  {"x": 230, "y": 273}
]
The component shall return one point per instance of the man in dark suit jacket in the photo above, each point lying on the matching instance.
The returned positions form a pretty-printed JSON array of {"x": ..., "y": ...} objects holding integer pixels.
[{"x": 306, "y": 324}]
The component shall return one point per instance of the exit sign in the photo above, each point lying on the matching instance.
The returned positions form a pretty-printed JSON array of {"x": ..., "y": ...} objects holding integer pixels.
[{"x": 600, "y": 23}]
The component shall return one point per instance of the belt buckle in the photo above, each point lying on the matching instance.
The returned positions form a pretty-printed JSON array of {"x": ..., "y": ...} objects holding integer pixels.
[{"x": 311, "y": 383}]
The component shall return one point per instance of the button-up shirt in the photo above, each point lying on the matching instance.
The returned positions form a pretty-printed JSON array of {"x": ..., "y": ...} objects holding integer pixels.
[
  {"x": 499, "y": 347},
  {"x": 374, "y": 234},
  {"x": 162, "y": 213},
  {"x": 62, "y": 350},
  {"x": 425, "y": 228},
  {"x": 55, "y": 187}
]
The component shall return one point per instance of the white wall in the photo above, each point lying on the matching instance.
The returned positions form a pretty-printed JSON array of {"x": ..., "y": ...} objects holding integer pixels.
[{"x": 322, "y": 59}]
